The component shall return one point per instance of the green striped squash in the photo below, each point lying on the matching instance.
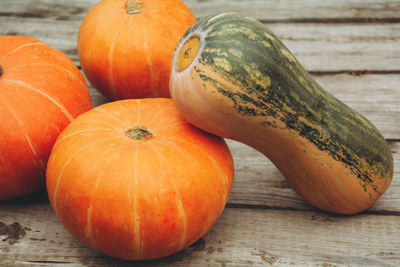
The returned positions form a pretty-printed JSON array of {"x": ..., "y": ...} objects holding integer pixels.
[{"x": 233, "y": 77}]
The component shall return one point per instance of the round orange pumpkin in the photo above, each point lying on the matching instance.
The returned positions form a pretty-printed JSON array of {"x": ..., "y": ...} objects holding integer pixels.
[
  {"x": 133, "y": 180},
  {"x": 41, "y": 91},
  {"x": 126, "y": 46}
]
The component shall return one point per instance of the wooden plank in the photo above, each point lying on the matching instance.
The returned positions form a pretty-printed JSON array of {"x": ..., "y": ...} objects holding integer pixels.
[
  {"x": 273, "y": 11},
  {"x": 258, "y": 182},
  {"x": 319, "y": 47},
  {"x": 46, "y": 9},
  {"x": 275, "y": 238},
  {"x": 300, "y": 11},
  {"x": 327, "y": 47}
]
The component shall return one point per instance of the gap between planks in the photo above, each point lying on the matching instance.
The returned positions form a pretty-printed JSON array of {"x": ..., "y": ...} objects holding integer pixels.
[
  {"x": 312, "y": 209},
  {"x": 332, "y": 20},
  {"x": 366, "y": 20},
  {"x": 311, "y": 11},
  {"x": 336, "y": 72},
  {"x": 351, "y": 72}
]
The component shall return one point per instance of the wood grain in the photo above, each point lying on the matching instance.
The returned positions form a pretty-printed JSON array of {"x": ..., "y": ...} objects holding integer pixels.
[
  {"x": 319, "y": 47},
  {"x": 268, "y": 10},
  {"x": 240, "y": 237},
  {"x": 310, "y": 11}
]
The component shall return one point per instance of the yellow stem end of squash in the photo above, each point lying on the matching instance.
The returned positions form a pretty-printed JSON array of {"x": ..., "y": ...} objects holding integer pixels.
[{"x": 188, "y": 53}]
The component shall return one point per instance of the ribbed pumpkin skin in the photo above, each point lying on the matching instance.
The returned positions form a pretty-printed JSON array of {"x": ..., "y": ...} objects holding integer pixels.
[
  {"x": 245, "y": 85},
  {"x": 129, "y": 55},
  {"x": 41, "y": 91},
  {"x": 138, "y": 199}
]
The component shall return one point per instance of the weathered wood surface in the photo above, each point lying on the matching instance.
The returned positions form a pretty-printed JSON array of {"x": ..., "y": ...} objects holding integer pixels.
[
  {"x": 319, "y": 41},
  {"x": 241, "y": 237},
  {"x": 320, "y": 47},
  {"x": 265, "y": 222},
  {"x": 264, "y": 10}
]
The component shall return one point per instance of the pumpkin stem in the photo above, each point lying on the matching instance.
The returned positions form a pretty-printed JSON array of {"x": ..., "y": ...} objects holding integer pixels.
[
  {"x": 188, "y": 53},
  {"x": 1, "y": 70},
  {"x": 139, "y": 133},
  {"x": 134, "y": 6}
]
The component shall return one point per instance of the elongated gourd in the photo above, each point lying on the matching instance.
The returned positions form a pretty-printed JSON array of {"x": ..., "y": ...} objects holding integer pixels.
[{"x": 233, "y": 77}]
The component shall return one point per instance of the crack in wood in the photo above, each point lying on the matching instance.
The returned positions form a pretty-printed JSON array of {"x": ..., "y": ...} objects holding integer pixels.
[
  {"x": 343, "y": 20},
  {"x": 311, "y": 209},
  {"x": 354, "y": 72},
  {"x": 382, "y": 212},
  {"x": 336, "y": 72},
  {"x": 265, "y": 207},
  {"x": 50, "y": 262},
  {"x": 22, "y": 15},
  {"x": 332, "y": 20}
]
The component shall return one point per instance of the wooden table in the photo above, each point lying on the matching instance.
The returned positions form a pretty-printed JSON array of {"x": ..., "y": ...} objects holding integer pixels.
[{"x": 352, "y": 48}]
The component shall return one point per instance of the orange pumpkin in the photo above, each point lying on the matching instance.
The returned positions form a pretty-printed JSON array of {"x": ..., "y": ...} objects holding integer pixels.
[
  {"x": 133, "y": 180},
  {"x": 126, "y": 46},
  {"x": 41, "y": 91}
]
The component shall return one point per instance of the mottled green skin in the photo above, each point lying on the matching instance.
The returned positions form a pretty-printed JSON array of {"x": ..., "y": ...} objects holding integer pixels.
[{"x": 278, "y": 86}]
